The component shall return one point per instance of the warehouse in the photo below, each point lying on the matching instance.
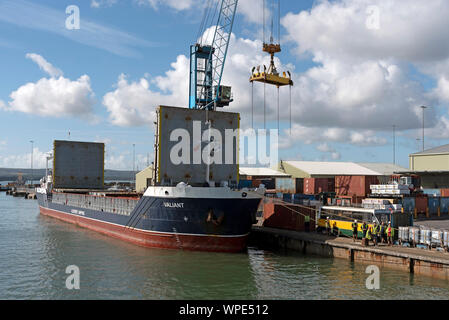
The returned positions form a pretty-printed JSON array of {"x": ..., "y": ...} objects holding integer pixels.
[
  {"x": 319, "y": 169},
  {"x": 432, "y": 166},
  {"x": 385, "y": 170},
  {"x": 343, "y": 178}
]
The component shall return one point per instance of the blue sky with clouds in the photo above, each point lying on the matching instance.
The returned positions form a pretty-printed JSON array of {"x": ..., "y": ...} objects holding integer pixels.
[{"x": 102, "y": 82}]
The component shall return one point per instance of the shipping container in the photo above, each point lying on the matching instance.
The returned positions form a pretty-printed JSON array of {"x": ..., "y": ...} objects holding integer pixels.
[
  {"x": 421, "y": 204},
  {"x": 433, "y": 203},
  {"x": 268, "y": 183},
  {"x": 78, "y": 165},
  {"x": 287, "y": 197},
  {"x": 444, "y": 205},
  {"x": 432, "y": 192},
  {"x": 287, "y": 217},
  {"x": 354, "y": 185},
  {"x": 444, "y": 192},
  {"x": 289, "y": 185},
  {"x": 408, "y": 204},
  {"x": 245, "y": 184},
  {"x": 399, "y": 219},
  {"x": 318, "y": 185}
]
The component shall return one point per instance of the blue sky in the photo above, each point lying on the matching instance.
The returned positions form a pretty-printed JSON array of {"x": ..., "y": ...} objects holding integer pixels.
[{"x": 347, "y": 95}]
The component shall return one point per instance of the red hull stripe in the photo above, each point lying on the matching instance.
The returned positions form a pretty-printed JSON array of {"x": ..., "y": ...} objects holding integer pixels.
[{"x": 154, "y": 239}]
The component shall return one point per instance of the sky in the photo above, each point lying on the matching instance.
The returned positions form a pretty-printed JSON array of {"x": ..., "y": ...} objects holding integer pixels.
[{"x": 359, "y": 68}]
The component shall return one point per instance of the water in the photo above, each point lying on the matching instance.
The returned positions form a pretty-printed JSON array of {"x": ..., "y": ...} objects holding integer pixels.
[{"x": 35, "y": 251}]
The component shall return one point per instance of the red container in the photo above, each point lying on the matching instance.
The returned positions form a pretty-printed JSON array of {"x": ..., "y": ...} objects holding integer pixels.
[
  {"x": 445, "y": 192},
  {"x": 354, "y": 185},
  {"x": 287, "y": 217},
  {"x": 421, "y": 204},
  {"x": 318, "y": 185}
]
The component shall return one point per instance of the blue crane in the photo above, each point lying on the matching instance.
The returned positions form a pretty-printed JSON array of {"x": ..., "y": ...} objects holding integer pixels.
[{"x": 207, "y": 62}]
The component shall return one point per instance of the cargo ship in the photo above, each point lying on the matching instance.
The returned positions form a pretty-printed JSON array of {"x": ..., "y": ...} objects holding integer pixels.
[
  {"x": 181, "y": 217},
  {"x": 199, "y": 214}
]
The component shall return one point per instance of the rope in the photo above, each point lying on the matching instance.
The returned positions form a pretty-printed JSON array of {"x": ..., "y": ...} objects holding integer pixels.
[
  {"x": 264, "y": 112},
  {"x": 290, "y": 88},
  {"x": 252, "y": 104},
  {"x": 278, "y": 108}
]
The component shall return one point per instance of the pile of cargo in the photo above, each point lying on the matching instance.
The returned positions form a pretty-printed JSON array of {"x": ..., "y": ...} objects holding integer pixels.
[
  {"x": 389, "y": 189},
  {"x": 382, "y": 204},
  {"x": 423, "y": 236}
]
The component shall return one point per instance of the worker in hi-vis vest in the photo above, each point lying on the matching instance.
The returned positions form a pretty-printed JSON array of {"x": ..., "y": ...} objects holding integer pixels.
[{"x": 389, "y": 234}]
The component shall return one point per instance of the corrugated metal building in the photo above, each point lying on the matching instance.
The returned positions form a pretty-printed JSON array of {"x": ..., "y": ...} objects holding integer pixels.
[
  {"x": 386, "y": 170},
  {"x": 432, "y": 166},
  {"x": 319, "y": 169}
]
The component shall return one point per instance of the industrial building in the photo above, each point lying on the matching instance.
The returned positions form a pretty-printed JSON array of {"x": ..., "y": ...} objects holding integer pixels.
[
  {"x": 144, "y": 179},
  {"x": 343, "y": 178},
  {"x": 432, "y": 166}
]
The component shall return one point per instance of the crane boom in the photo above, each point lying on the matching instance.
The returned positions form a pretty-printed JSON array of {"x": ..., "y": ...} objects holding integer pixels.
[{"x": 207, "y": 63}]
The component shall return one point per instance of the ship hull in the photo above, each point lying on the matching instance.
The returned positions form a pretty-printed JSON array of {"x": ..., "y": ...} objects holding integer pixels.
[{"x": 219, "y": 225}]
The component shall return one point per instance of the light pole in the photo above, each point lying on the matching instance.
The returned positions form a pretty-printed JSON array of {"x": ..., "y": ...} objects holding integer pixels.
[
  {"x": 394, "y": 144},
  {"x": 32, "y": 151},
  {"x": 134, "y": 164},
  {"x": 423, "y": 108}
]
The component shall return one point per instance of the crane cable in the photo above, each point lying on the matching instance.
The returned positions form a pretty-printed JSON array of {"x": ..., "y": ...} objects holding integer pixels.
[{"x": 203, "y": 21}]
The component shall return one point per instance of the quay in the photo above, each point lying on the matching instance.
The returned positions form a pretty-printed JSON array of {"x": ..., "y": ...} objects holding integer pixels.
[
  {"x": 27, "y": 193},
  {"x": 413, "y": 260}
]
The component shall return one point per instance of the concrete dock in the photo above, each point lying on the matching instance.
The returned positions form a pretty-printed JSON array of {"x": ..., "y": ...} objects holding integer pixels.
[{"x": 414, "y": 260}]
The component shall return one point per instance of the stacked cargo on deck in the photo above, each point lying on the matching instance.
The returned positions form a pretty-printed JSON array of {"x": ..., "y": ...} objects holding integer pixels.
[
  {"x": 382, "y": 204},
  {"x": 389, "y": 189}
]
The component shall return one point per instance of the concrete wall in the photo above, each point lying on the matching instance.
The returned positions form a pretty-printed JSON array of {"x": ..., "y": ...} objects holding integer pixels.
[{"x": 434, "y": 162}]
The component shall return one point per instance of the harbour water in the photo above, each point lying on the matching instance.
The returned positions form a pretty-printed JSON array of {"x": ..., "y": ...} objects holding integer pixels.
[{"x": 36, "y": 250}]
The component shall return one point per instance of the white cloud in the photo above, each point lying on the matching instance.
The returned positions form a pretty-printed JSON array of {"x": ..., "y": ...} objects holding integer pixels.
[
  {"x": 45, "y": 65},
  {"x": 102, "y": 3},
  {"x": 24, "y": 160},
  {"x": 364, "y": 80},
  {"x": 54, "y": 97},
  {"x": 134, "y": 103}
]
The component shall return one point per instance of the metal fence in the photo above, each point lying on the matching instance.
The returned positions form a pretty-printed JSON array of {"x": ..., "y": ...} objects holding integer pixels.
[{"x": 120, "y": 206}]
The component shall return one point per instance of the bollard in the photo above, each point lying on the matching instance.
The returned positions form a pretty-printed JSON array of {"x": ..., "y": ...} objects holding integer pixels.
[
  {"x": 416, "y": 213},
  {"x": 439, "y": 212},
  {"x": 427, "y": 212}
]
